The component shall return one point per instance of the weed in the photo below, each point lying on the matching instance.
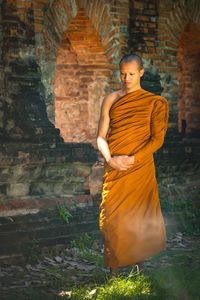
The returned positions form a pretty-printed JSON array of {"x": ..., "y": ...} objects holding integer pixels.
[
  {"x": 64, "y": 213},
  {"x": 82, "y": 242}
]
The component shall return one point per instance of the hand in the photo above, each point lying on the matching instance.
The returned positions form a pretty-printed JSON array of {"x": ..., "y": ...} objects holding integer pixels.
[{"x": 121, "y": 162}]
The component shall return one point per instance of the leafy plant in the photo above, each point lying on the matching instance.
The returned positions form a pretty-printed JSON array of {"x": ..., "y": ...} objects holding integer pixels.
[
  {"x": 82, "y": 241},
  {"x": 64, "y": 213}
]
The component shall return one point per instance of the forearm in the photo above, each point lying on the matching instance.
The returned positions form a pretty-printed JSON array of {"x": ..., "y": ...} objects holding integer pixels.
[
  {"x": 103, "y": 148},
  {"x": 149, "y": 148},
  {"x": 158, "y": 128}
]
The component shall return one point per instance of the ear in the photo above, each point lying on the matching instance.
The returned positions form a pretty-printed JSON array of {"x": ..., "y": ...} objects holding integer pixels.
[{"x": 141, "y": 72}]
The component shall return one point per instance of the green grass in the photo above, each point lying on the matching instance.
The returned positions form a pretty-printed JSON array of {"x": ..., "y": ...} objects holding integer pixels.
[
  {"x": 122, "y": 287},
  {"x": 172, "y": 283},
  {"x": 177, "y": 282},
  {"x": 125, "y": 288}
]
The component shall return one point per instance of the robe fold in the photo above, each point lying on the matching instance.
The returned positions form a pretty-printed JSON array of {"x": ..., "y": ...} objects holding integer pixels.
[{"x": 130, "y": 219}]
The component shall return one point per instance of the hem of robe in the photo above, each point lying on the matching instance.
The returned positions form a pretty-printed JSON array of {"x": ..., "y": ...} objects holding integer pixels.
[{"x": 107, "y": 265}]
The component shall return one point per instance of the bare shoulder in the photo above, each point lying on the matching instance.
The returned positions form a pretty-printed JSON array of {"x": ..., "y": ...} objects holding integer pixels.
[{"x": 111, "y": 98}]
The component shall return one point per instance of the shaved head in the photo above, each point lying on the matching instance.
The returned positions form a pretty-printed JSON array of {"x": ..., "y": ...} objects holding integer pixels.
[{"x": 132, "y": 57}]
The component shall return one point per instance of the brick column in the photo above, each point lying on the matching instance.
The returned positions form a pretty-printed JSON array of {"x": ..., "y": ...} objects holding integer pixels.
[
  {"x": 2, "y": 91},
  {"x": 143, "y": 28},
  {"x": 189, "y": 78},
  {"x": 25, "y": 110}
]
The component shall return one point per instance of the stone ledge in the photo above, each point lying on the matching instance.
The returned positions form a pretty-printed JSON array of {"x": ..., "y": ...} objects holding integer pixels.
[
  {"x": 30, "y": 153},
  {"x": 27, "y": 205}
]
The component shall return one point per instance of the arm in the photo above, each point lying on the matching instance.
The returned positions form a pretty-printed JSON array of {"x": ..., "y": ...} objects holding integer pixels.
[
  {"x": 159, "y": 123},
  {"x": 121, "y": 162},
  {"x": 103, "y": 128}
]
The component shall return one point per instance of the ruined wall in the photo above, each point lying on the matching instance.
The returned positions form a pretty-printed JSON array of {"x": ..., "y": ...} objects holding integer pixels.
[
  {"x": 80, "y": 81},
  {"x": 25, "y": 112},
  {"x": 158, "y": 32},
  {"x": 189, "y": 78},
  {"x": 2, "y": 101},
  {"x": 35, "y": 163},
  {"x": 38, "y": 171},
  {"x": 96, "y": 32}
]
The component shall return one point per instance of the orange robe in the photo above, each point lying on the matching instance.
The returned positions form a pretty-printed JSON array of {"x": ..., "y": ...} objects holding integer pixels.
[{"x": 130, "y": 220}]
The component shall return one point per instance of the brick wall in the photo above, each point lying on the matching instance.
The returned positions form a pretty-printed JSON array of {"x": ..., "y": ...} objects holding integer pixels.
[
  {"x": 106, "y": 22},
  {"x": 2, "y": 90},
  {"x": 29, "y": 140},
  {"x": 24, "y": 107},
  {"x": 189, "y": 78},
  {"x": 33, "y": 37},
  {"x": 155, "y": 29},
  {"x": 155, "y": 32},
  {"x": 81, "y": 77}
]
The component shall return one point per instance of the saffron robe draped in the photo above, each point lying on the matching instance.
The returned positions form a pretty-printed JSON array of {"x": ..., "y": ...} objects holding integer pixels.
[{"x": 130, "y": 219}]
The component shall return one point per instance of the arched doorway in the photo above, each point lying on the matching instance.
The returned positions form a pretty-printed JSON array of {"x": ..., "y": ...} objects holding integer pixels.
[
  {"x": 81, "y": 78},
  {"x": 189, "y": 81}
]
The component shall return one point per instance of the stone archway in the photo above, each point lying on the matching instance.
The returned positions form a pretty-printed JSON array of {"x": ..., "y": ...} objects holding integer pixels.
[
  {"x": 189, "y": 78},
  {"x": 175, "y": 19},
  {"x": 106, "y": 18},
  {"x": 81, "y": 77},
  {"x": 109, "y": 20}
]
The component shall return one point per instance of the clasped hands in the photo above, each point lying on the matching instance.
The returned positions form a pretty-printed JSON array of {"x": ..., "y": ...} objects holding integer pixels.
[{"x": 121, "y": 162}]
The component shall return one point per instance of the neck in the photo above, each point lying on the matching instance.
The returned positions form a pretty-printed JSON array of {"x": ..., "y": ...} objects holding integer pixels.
[{"x": 129, "y": 90}]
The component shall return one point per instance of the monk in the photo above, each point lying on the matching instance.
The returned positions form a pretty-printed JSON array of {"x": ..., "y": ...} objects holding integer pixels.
[{"x": 132, "y": 126}]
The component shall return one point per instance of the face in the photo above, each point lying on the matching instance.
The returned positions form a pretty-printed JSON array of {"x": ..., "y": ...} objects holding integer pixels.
[{"x": 130, "y": 74}]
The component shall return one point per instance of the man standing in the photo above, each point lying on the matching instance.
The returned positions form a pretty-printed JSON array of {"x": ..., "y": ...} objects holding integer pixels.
[{"x": 132, "y": 126}]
